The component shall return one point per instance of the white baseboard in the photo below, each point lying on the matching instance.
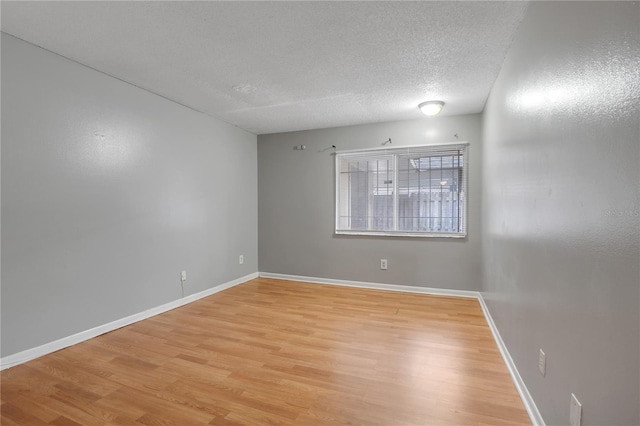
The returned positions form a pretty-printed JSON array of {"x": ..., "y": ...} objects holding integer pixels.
[
  {"x": 47, "y": 348},
  {"x": 527, "y": 400},
  {"x": 375, "y": 286}
]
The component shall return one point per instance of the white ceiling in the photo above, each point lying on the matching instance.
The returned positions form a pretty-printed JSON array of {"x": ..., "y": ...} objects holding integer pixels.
[{"x": 272, "y": 67}]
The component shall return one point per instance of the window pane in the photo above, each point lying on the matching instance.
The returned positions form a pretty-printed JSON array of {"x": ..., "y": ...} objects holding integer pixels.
[
  {"x": 429, "y": 192},
  {"x": 366, "y": 193}
]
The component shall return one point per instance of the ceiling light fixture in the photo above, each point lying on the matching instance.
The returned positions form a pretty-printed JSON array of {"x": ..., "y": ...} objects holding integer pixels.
[{"x": 431, "y": 107}]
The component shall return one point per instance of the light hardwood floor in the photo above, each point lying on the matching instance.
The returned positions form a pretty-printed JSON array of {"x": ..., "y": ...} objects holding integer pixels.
[{"x": 278, "y": 352}]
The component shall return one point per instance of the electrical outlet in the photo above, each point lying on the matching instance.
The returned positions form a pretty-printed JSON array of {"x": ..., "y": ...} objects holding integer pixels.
[
  {"x": 383, "y": 264},
  {"x": 183, "y": 276},
  {"x": 542, "y": 363},
  {"x": 575, "y": 412},
  {"x": 241, "y": 259}
]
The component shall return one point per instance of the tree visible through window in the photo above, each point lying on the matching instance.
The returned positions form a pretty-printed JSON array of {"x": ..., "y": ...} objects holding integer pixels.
[{"x": 415, "y": 191}]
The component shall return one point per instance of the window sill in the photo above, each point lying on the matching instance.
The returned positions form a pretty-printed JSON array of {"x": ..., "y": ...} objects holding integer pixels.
[{"x": 403, "y": 234}]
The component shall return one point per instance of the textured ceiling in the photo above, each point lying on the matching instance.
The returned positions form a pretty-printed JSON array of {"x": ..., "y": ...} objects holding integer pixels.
[{"x": 280, "y": 66}]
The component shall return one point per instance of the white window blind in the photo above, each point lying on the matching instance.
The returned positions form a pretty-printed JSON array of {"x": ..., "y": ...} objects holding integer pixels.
[{"x": 410, "y": 191}]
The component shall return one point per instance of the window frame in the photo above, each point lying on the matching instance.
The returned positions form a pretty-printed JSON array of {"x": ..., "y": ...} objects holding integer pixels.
[{"x": 395, "y": 152}]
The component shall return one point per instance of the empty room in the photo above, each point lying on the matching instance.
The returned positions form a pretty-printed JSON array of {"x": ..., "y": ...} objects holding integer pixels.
[{"x": 320, "y": 213}]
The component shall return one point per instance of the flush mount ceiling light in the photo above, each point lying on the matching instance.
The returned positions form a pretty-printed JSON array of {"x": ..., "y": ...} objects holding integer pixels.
[{"x": 431, "y": 107}]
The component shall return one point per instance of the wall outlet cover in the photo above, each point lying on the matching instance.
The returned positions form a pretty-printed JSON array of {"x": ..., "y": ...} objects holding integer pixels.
[
  {"x": 575, "y": 413},
  {"x": 542, "y": 363}
]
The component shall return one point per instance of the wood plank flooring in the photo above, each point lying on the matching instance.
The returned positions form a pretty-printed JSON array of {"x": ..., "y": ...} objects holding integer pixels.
[{"x": 272, "y": 352}]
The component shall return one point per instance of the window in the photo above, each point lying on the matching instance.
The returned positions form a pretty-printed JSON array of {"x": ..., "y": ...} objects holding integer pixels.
[{"x": 411, "y": 191}]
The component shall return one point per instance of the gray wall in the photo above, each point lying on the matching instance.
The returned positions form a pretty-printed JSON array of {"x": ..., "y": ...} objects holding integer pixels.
[
  {"x": 108, "y": 192},
  {"x": 296, "y": 209},
  {"x": 561, "y": 214}
]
